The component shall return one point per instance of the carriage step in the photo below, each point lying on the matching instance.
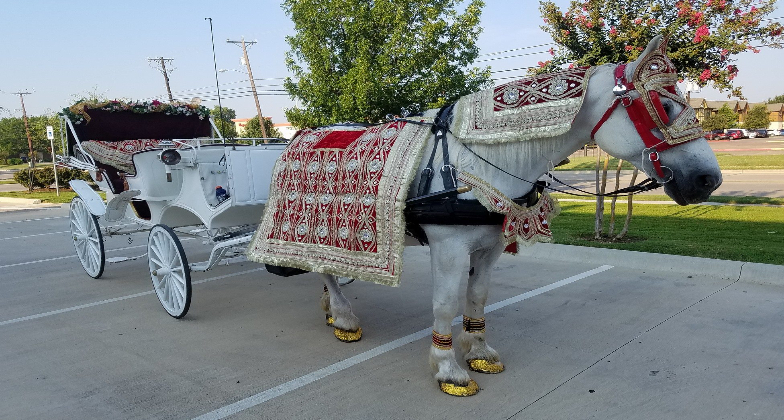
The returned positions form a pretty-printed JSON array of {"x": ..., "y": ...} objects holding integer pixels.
[{"x": 123, "y": 259}]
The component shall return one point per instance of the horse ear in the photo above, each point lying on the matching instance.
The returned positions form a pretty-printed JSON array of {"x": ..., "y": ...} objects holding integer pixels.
[{"x": 657, "y": 43}]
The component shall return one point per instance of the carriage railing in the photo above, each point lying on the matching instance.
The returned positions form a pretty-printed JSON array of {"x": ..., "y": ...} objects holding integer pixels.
[{"x": 79, "y": 159}]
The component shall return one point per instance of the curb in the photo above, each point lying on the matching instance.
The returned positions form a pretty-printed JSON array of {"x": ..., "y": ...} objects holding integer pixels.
[
  {"x": 747, "y": 272},
  {"x": 14, "y": 200}
]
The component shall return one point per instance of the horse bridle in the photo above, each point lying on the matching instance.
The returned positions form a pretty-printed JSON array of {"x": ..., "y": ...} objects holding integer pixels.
[{"x": 627, "y": 94}]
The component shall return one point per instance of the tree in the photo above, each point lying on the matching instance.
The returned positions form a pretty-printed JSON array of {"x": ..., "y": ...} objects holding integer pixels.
[
  {"x": 758, "y": 117},
  {"x": 225, "y": 125},
  {"x": 727, "y": 117},
  {"x": 253, "y": 130},
  {"x": 776, "y": 100},
  {"x": 703, "y": 35},
  {"x": 13, "y": 141},
  {"x": 355, "y": 60}
]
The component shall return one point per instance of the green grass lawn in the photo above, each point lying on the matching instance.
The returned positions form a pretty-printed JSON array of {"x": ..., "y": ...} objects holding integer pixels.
[
  {"x": 726, "y": 199},
  {"x": 48, "y": 196},
  {"x": 726, "y": 161},
  {"x": 740, "y": 233}
]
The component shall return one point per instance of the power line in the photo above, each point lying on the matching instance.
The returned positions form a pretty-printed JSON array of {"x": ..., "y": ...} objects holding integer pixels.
[
  {"x": 516, "y": 49},
  {"x": 510, "y": 56}
]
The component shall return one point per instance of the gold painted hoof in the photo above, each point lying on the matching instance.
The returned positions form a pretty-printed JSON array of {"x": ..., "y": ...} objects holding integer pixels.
[
  {"x": 330, "y": 320},
  {"x": 483, "y": 366},
  {"x": 458, "y": 390},
  {"x": 348, "y": 336}
]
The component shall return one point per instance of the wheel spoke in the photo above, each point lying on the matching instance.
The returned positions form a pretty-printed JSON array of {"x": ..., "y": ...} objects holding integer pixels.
[{"x": 158, "y": 263}]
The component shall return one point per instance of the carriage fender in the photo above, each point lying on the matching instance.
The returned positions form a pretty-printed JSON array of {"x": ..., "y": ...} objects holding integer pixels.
[{"x": 91, "y": 198}]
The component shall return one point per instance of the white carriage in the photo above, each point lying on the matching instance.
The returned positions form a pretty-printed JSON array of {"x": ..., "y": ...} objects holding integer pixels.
[{"x": 170, "y": 183}]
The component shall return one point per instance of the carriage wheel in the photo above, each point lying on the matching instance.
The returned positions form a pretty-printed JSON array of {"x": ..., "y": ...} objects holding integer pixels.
[
  {"x": 171, "y": 276},
  {"x": 87, "y": 238}
]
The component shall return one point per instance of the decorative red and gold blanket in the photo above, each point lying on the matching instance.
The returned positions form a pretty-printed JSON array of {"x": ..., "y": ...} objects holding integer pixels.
[
  {"x": 337, "y": 199},
  {"x": 533, "y": 107}
]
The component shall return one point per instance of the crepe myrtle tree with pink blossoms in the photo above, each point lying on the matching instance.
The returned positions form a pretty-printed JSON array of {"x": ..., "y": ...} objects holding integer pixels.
[{"x": 703, "y": 35}]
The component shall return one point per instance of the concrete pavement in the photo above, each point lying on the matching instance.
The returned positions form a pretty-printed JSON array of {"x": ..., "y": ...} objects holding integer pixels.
[{"x": 584, "y": 333}]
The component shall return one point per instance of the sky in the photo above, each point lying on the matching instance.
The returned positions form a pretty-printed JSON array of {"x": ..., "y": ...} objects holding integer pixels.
[{"x": 63, "y": 50}]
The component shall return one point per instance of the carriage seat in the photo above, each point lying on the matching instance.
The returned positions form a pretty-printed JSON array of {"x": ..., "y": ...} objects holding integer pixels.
[
  {"x": 115, "y": 158},
  {"x": 119, "y": 154}
]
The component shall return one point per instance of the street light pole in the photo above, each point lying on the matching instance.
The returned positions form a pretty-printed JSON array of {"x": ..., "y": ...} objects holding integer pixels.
[{"x": 252, "y": 83}]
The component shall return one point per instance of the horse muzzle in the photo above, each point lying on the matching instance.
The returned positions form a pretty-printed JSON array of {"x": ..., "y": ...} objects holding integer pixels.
[{"x": 693, "y": 187}]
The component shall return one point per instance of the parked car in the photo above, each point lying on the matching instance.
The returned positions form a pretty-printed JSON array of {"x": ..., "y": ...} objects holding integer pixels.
[
  {"x": 735, "y": 134},
  {"x": 752, "y": 134},
  {"x": 761, "y": 133},
  {"x": 772, "y": 133},
  {"x": 715, "y": 135}
]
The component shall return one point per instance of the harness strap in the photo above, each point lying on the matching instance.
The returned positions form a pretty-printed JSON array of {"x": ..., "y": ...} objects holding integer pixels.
[{"x": 448, "y": 172}]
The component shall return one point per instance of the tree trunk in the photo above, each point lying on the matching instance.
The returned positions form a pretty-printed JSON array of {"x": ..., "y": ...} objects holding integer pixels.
[
  {"x": 600, "y": 199},
  {"x": 611, "y": 229},
  {"x": 629, "y": 208}
]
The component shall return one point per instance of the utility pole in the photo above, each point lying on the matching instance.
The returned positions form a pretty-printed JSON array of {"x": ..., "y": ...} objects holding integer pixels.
[
  {"x": 252, "y": 84},
  {"x": 31, "y": 154},
  {"x": 160, "y": 65}
]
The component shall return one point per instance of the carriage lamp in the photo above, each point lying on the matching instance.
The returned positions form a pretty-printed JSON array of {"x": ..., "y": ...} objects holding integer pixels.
[{"x": 169, "y": 157}]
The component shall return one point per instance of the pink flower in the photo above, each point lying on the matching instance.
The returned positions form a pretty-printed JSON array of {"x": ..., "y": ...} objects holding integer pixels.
[
  {"x": 637, "y": 21},
  {"x": 551, "y": 51},
  {"x": 696, "y": 19},
  {"x": 628, "y": 48},
  {"x": 705, "y": 75},
  {"x": 571, "y": 65},
  {"x": 546, "y": 20},
  {"x": 701, "y": 34},
  {"x": 589, "y": 25},
  {"x": 651, "y": 21},
  {"x": 613, "y": 31}
]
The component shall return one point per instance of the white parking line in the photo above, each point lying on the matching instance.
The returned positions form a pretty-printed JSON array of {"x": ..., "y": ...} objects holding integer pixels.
[
  {"x": 37, "y": 234},
  {"x": 322, "y": 373},
  {"x": 33, "y": 220},
  {"x": 75, "y": 256},
  {"x": 117, "y": 299},
  {"x": 70, "y": 256}
]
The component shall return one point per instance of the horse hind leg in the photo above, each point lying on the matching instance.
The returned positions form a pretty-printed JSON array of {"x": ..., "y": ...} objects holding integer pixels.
[
  {"x": 338, "y": 310},
  {"x": 479, "y": 356}
]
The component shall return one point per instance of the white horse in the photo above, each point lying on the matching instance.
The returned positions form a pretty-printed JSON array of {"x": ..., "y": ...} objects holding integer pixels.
[{"x": 689, "y": 172}]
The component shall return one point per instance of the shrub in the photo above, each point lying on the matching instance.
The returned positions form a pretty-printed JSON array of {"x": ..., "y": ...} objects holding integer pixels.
[
  {"x": 44, "y": 177},
  {"x": 14, "y": 161}
]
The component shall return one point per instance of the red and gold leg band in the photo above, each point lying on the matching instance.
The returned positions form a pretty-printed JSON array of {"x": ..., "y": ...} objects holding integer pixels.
[
  {"x": 442, "y": 341},
  {"x": 471, "y": 325}
]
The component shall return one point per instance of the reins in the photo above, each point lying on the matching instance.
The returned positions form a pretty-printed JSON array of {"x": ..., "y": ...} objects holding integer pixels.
[{"x": 442, "y": 124}]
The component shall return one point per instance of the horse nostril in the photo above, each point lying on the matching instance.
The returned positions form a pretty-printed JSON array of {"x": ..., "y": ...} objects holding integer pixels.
[{"x": 709, "y": 181}]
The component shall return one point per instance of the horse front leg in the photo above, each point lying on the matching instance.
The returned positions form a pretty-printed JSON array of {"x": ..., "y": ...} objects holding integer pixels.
[
  {"x": 448, "y": 265},
  {"x": 338, "y": 310},
  {"x": 479, "y": 356}
]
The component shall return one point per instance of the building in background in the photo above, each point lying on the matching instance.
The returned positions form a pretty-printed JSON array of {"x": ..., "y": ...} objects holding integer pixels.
[
  {"x": 703, "y": 108},
  {"x": 286, "y": 130}
]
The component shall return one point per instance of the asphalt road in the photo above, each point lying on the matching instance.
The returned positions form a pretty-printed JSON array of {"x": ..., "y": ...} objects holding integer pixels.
[{"x": 610, "y": 335}]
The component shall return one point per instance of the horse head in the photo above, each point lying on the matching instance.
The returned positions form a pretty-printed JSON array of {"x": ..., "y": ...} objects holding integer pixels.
[{"x": 654, "y": 127}]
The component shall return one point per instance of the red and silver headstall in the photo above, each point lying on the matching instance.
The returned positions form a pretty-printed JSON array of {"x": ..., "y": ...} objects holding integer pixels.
[{"x": 655, "y": 77}]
